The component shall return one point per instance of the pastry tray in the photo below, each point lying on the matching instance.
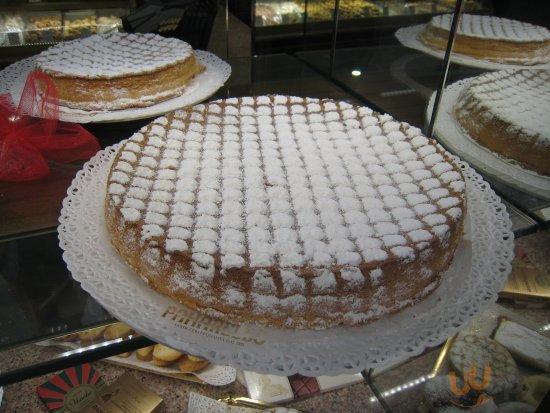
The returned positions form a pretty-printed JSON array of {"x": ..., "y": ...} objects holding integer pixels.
[
  {"x": 212, "y": 374},
  {"x": 478, "y": 271}
]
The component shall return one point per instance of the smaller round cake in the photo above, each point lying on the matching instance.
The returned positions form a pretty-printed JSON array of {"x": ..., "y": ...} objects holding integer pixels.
[
  {"x": 119, "y": 70},
  {"x": 490, "y": 38},
  {"x": 507, "y": 112},
  {"x": 286, "y": 211}
]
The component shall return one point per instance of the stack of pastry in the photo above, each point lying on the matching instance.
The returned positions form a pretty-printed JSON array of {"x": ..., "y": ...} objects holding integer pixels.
[
  {"x": 40, "y": 27},
  {"x": 75, "y": 28},
  {"x": 158, "y": 355},
  {"x": 164, "y": 356}
]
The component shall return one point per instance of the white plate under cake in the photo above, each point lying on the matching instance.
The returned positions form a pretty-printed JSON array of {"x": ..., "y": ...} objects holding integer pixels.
[
  {"x": 286, "y": 211},
  {"x": 490, "y": 38},
  {"x": 119, "y": 70},
  {"x": 507, "y": 112}
]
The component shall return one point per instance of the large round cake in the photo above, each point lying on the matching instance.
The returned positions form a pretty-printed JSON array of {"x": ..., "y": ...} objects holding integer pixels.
[
  {"x": 507, "y": 112},
  {"x": 286, "y": 211},
  {"x": 119, "y": 70},
  {"x": 490, "y": 38}
]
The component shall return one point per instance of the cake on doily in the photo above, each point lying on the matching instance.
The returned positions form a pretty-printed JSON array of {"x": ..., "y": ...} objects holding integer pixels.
[
  {"x": 507, "y": 112},
  {"x": 286, "y": 211},
  {"x": 490, "y": 38},
  {"x": 119, "y": 70}
]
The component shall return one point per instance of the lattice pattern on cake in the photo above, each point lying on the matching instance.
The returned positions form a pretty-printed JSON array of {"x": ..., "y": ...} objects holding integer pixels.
[
  {"x": 520, "y": 98},
  {"x": 113, "y": 55},
  {"x": 307, "y": 195},
  {"x": 491, "y": 27}
]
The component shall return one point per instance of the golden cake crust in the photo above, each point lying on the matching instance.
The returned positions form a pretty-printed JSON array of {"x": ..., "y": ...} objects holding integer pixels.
[
  {"x": 119, "y": 71},
  {"x": 248, "y": 210}
]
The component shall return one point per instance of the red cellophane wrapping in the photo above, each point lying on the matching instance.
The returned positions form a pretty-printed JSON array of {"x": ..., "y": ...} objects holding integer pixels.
[{"x": 32, "y": 134}]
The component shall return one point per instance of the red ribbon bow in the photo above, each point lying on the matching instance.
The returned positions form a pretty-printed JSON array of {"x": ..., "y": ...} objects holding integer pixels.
[{"x": 32, "y": 134}]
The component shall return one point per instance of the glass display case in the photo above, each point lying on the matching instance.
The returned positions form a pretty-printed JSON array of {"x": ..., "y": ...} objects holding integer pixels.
[
  {"x": 514, "y": 177},
  {"x": 291, "y": 25},
  {"x": 26, "y": 28},
  {"x": 353, "y": 53},
  {"x": 399, "y": 75}
]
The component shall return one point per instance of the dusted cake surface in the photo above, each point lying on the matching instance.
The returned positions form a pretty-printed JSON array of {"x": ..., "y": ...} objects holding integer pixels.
[
  {"x": 119, "y": 70},
  {"x": 286, "y": 211},
  {"x": 114, "y": 55},
  {"x": 494, "y": 28},
  {"x": 507, "y": 112},
  {"x": 490, "y": 38}
]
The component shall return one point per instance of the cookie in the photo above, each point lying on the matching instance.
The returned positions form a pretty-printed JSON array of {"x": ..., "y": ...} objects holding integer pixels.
[
  {"x": 164, "y": 355},
  {"x": 92, "y": 334},
  {"x": 524, "y": 344},
  {"x": 486, "y": 364},
  {"x": 191, "y": 364},
  {"x": 145, "y": 353},
  {"x": 448, "y": 393},
  {"x": 117, "y": 330}
]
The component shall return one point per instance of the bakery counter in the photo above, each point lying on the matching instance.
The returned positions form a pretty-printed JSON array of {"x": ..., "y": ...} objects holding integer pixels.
[
  {"x": 41, "y": 301},
  {"x": 401, "y": 387},
  {"x": 44, "y": 298}
]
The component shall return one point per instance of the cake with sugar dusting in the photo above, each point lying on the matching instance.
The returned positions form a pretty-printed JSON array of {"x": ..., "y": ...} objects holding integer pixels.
[
  {"x": 119, "y": 70},
  {"x": 507, "y": 112},
  {"x": 286, "y": 211},
  {"x": 490, "y": 38}
]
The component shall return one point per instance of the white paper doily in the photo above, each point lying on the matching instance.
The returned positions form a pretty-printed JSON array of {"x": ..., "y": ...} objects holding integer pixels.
[
  {"x": 456, "y": 140},
  {"x": 204, "y": 85},
  {"x": 478, "y": 272},
  {"x": 408, "y": 37}
]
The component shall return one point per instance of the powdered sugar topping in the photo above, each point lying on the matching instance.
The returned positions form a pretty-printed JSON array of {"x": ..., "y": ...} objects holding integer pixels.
[
  {"x": 520, "y": 98},
  {"x": 491, "y": 27},
  {"x": 113, "y": 55},
  {"x": 287, "y": 182}
]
